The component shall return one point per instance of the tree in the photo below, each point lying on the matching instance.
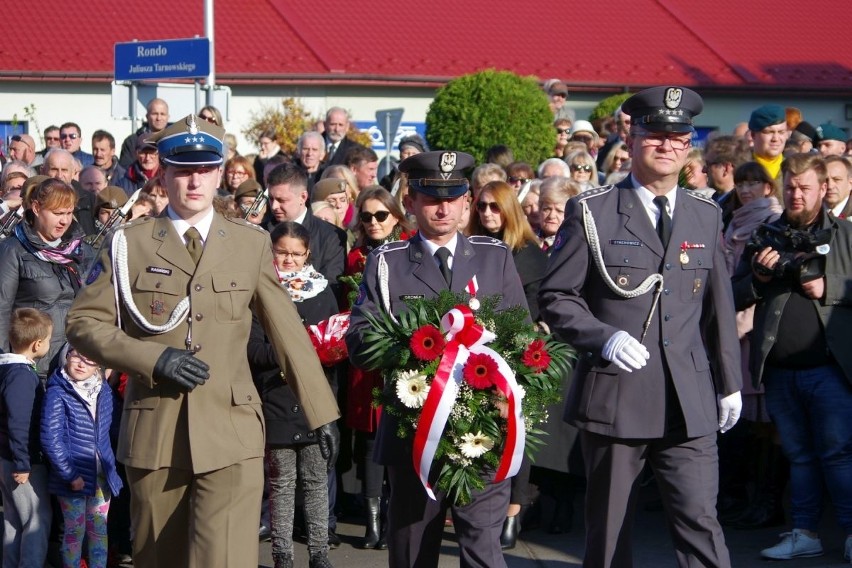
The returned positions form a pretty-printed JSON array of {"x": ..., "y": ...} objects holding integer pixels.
[
  {"x": 474, "y": 112},
  {"x": 607, "y": 106}
]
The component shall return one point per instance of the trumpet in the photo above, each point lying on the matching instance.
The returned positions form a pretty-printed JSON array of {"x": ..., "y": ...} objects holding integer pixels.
[
  {"x": 10, "y": 221},
  {"x": 257, "y": 206},
  {"x": 117, "y": 215}
]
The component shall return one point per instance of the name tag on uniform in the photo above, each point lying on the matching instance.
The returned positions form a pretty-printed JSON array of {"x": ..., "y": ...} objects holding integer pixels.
[
  {"x": 624, "y": 243},
  {"x": 405, "y": 297},
  {"x": 159, "y": 270}
]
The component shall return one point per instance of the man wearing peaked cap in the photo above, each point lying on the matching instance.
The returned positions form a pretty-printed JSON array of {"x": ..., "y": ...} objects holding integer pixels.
[
  {"x": 437, "y": 258},
  {"x": 642, "y": 390},
  {"x": 185, "y": 284}
]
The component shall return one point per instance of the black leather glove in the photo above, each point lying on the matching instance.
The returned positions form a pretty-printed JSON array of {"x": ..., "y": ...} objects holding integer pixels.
[
  {"x": 182, "y": 368},
  {"x": 329, "y": 442}
]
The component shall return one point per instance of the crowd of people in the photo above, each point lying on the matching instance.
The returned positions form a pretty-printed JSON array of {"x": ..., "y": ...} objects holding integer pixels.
[{"x": 127, "y": 279}]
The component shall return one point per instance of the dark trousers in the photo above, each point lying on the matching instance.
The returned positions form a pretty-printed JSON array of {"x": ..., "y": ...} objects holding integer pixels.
[
  {"x": 687, "y": 472},
  {"x": 416, "y": 523}
]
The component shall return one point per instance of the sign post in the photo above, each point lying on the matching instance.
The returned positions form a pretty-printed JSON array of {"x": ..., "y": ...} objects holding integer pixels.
[{"x": 388, "y": 121}]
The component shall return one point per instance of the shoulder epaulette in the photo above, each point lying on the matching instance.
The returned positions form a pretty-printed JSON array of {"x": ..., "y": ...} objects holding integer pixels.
[
  {"x": 135, "y": 222},
  {"x": 391, "y": 246},
  {"x": 243, "y": 223},
  {"x": 483, "y": 240},
  {"x": 596, "y": 192},
  {"x": 701, "y": 197}
]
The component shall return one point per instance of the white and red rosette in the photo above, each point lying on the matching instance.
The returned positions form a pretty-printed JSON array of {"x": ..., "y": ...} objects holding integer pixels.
[{"x": 465, "y": 337}]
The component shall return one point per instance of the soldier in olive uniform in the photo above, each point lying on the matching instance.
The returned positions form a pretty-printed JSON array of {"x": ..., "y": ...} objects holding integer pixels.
[
  {"x": 169, "y": 302},
  {"x": 637, "y": 284},
  {"x": 437, "y": 258}
]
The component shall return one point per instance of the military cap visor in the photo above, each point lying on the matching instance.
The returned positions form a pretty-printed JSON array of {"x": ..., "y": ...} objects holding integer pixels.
[
  {"x": 664, "y": 109},
  {"x": 438, "y": 174},
  {"x": 190, "y": 142}
]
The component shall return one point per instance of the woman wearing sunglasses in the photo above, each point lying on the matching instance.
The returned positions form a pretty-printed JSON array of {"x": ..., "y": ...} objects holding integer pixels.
[
  {"x": 499, "y": 215},
  {"x": 583, "y": 169},
  {"x": 379, "y": 220}
]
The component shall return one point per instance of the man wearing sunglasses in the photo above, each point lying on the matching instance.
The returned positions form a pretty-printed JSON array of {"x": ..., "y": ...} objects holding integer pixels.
[
  {"x": 22, "y": 148},
  {"x": 437, "y": 258},
  {"x": 633, "y": 267},
  {"x": 70, "y": 139}
]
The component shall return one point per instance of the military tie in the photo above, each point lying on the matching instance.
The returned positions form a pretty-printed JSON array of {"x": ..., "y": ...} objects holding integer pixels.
[
  {"x": 193, "y": 244},
  {"x": 664, "y": 223},
  {"x": 443, "y": 254}
]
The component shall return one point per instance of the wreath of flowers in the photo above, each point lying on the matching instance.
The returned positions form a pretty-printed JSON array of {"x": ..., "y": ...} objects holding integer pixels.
[{"x": 502, "y": 373}]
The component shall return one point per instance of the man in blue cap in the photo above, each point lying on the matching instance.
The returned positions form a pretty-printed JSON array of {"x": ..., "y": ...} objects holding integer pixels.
[
  {"x": 170, "y": 303},
  {"x": 634, "y": 270},
  {"x": 438, "y": 258}
]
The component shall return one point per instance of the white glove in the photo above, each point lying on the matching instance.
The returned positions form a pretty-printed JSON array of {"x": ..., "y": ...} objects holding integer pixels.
[
  {"x": 625, "y": 352},
  {"x": 729, "y": 410}
]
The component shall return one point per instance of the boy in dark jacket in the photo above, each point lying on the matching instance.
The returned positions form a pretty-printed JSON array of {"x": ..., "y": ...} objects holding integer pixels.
[{"x": 23, "y": 475}]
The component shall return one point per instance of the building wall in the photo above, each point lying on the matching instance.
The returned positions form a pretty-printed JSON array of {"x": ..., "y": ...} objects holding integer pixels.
[{"x": 90, "y": 105}]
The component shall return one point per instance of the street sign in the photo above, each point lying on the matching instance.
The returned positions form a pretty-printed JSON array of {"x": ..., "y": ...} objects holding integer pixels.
[
  {"x": 164, "y": 59},
  {"x": 388, "y": 121}
]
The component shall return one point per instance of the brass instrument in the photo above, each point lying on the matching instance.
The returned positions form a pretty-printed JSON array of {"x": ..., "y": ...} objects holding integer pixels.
[
  {"x": 117, "y": 215},
  {"x": 259, "y": 202}
]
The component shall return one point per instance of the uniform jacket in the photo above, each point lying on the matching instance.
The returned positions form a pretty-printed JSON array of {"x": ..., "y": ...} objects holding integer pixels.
[
  {"x": 414, "y": 273},
  {"x": 74, "y": 442},
  {"x": 27, "y": 281},
  {"x": 577, "y": 304},
  {"x": 835, "y": 309},
  {"x": 219, "y": 423}
]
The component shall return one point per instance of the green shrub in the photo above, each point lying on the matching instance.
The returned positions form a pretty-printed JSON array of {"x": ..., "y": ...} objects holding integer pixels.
[
  {"x": 607, "y": 106},
  {"x": 474, "y": 112}
]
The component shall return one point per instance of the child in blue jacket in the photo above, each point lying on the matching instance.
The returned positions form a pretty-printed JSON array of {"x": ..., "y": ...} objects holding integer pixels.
[{"x": 76, "y": 422}]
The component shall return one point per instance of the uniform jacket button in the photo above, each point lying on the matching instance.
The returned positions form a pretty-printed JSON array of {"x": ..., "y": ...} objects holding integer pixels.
[
  {"x": 233, "y": 284},
  {"x": 310, "y": 435},
  {"x": 668, "y": 317},
  {"x": 196, "y": 348},
  {"x": 199, "y": 317},
  {"x": 198, "y": 287},
  {"x": 666, "y": 343},
  {"x": 667, "y": 291},
  {"x": 668, "y": 266},
  {"x": 296, "y": 408},
  {"x": 248, "y": 397},
  {"x": 158, "y": 285},
  {"x": 297, "y": 437}
]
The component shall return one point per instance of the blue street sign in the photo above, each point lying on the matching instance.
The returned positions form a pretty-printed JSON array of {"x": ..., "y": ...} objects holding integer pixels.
[{"x": 165, "y": 59}]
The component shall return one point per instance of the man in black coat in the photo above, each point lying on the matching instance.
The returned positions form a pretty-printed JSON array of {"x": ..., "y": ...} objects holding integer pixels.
[
  {"x": 337, "y": 145},
  {"x": 288, "y": 197}
]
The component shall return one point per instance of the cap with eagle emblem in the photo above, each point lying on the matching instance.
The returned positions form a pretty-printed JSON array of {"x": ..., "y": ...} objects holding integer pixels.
[
  {"x": 438, "y": 174},
  {"x": 664, "y": 109},
  {"x": 190, "y": 141}
]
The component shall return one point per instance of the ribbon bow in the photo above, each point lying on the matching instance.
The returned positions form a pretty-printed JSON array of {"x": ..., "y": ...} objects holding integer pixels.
[{"x": 465, "y": 337}]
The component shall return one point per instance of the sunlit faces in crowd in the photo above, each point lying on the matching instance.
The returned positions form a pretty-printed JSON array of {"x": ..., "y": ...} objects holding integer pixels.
[
  {"x": 769, "y": 142},
  {"x": 93, "y": 179},
  {"x": 69, "y": 137}
]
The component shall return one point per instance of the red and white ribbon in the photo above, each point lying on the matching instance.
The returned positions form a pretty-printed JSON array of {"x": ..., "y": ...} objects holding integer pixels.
[{"x": 464, "y": 337}]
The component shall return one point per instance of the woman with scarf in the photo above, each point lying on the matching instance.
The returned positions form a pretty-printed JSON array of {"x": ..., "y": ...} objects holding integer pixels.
[
  {"x": 42, "y": 261},
  {"x": 379, "y": 220},
  {"x": 756, "y": 200},
  {"x": 292, "y": 449}
]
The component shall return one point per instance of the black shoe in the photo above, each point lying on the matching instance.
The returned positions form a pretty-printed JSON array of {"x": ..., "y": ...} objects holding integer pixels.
[
  {"x": 373, "y": 528},
  {"x": 511, "y": 528},
  {"x": 282, "y": 560},
  {"x": 320, "y": 560},
  {"x": 264, "y": 534},
  {"x": 333, "y": 541}
]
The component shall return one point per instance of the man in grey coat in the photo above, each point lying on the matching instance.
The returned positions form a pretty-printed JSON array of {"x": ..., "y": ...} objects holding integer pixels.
[{"x": 637, "y": 284}]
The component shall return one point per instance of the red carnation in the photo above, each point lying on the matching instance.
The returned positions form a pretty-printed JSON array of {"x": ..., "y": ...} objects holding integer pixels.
[
  {"x": 427, "y": 343},
  {"x": 478, "y": 370},
  {"x": 536, "y": 356}
]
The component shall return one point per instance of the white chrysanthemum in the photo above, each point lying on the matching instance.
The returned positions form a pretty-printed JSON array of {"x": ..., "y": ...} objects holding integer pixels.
[
  {"x": 474, "y": 445},
  {"x": 411, "y": 388},
  {"x": 522, "y": 391}
]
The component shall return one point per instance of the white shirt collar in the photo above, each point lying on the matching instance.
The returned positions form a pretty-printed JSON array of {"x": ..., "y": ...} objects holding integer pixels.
[
  {"x": 301, "y": 218},
  {"x": 180, "y": 225},
  {"x": 838, "y": 209},
  {"x": 451, "y": 246},
  {"x": 646, "y": 196}
]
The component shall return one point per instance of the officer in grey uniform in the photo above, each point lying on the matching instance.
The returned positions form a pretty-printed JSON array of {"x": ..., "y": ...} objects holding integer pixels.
[
  {"x": 637, "y": 284},
  {"x": 437, "y": 258}
]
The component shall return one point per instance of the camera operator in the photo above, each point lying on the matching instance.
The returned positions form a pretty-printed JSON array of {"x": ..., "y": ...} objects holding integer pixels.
[{"x": 798, "y": 275}]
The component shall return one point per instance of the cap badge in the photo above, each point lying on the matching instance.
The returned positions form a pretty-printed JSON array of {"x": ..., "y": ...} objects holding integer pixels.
[
  {"x": 673, "y": 97},
  {"x": 193, "y": 128},
  {"x": 448, "y": 164}
]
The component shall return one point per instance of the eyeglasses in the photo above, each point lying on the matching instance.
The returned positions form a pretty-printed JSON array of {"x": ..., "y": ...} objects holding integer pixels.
[
  {"x": 483, "y": 206},
  {"x": 286, "y": 254},
  {"x": 563, "y": 130},
  {"x": 367, "y": 217},
  {"x": 582, "y": 138},
  {"x": 51, "y": 138},
  {"x": 18, "y": 138},
  {"x": 657, "y": 141},
  {"x": 234, "y": 173},
  {"x": 85, "y": 361},
  {"x": 581, "y": 168},
  {"x": 71, "y": 135},
  {"x": 208, "y": 118},
  {"x": 513, "y": 179}
]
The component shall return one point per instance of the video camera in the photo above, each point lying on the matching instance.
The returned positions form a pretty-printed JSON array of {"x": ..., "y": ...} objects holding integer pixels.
[{"x": 802, "y": 252}]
